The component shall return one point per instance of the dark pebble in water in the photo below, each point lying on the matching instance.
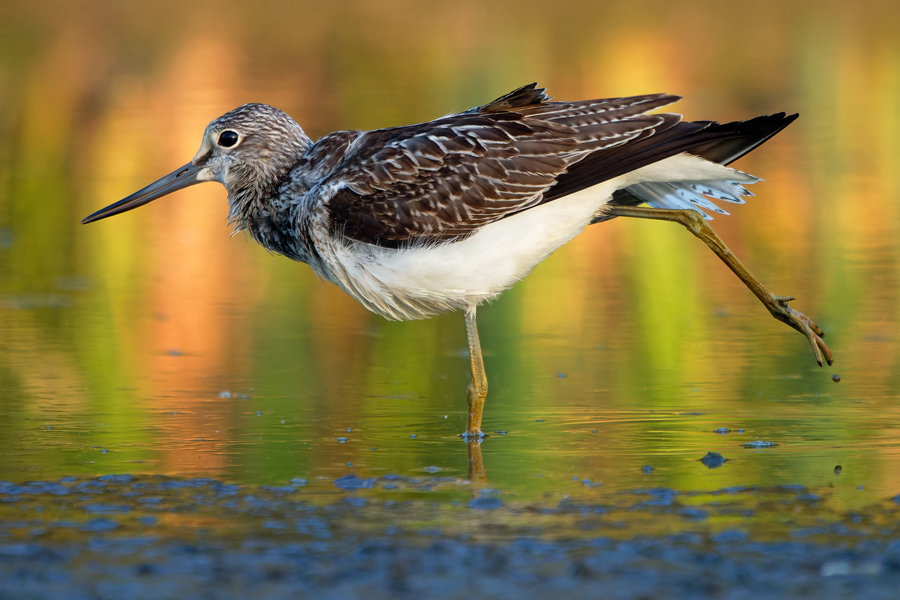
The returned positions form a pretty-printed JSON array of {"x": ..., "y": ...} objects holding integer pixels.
[
  {"x": 647, "y": 469},
  {"x": 485, "y": 503},
  {"x": 696, "y": 514},
  {"x": 102, "y": 507},
  {"x": 729, "y": 536},
  {"x": 713, "y": 460},
  {"x": 99, "y": 524},
  {"x": 278, "y": 489},
  {"x": 657, "y": 497},
  {"x": 835, "y": 378},
  {"x": 20, "y": 550},
  {"x": 353, "y": 482},
  {"x": 838, "y": 469},
  {"x": 759, "y": 444},
  {"x": 150, "y": 500},
  {"x": 119, "y": 478}
]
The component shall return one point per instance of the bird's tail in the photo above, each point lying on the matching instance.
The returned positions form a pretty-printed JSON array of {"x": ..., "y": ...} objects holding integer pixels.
[{"x": 714, "y": 142}]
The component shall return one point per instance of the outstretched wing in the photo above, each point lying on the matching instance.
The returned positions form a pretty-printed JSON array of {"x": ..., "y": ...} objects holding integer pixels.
[{"x": 444, "y": 179}]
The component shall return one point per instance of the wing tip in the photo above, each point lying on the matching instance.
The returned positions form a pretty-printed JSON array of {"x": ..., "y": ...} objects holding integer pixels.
[{"x": 527, "y": 95}]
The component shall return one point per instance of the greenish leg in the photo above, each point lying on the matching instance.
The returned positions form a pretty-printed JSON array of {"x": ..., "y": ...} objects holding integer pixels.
[
  {"x": 478, "y": 388},
  {"x": 777, "y": 305}
]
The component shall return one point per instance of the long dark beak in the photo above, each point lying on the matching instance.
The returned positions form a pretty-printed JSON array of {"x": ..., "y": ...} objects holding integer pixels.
[{"x": 176, "y": 180}]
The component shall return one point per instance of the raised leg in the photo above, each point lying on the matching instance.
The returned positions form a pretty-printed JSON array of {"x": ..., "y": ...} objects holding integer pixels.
[
  {"x": 477, "y": 390},
  {"x": 777, "y": 305}
]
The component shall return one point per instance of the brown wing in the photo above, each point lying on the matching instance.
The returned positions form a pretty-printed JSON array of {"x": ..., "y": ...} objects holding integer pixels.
[{"x": 446, "y": 178}]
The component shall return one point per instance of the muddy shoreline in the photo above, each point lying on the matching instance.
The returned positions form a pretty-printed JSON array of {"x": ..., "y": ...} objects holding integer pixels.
[{"x": 150, "y": 537}]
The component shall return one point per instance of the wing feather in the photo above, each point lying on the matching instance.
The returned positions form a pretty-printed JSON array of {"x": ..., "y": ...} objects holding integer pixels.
[{"x": 444, "y": 179}]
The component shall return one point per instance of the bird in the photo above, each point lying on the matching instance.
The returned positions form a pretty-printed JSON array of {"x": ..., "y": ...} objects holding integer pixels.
[{"x": 445, "y": 215}]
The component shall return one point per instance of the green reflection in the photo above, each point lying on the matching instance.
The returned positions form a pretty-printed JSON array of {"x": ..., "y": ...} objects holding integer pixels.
[{"x": 124, "y": 335}]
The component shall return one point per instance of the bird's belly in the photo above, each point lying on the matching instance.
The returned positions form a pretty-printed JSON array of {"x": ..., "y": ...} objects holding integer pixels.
[
  {"x": 416, "y": 282},
  {"x": 413, "y": 283}
]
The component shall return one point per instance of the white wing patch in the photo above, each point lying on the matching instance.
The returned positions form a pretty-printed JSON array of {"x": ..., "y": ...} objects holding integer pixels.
[
  {"x": 688, "y": 182},
  {"x": 691, "y": 195}
]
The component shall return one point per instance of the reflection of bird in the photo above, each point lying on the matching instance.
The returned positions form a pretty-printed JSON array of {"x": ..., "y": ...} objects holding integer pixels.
[{"x": 413, "y": 221}]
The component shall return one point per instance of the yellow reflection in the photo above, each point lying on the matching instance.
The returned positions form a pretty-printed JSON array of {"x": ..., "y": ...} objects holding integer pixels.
[{"x": 631, "y": 316}]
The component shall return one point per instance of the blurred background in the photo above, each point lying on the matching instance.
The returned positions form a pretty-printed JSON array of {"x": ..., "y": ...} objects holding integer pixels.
[{"x": 155, "y": 342}]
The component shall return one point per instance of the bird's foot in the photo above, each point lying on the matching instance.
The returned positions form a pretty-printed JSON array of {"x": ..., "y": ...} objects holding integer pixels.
[
  {"x": 778, "y": 306},
  {"x": 475, "y": 396},
  {"x": 472, "y": 436}
]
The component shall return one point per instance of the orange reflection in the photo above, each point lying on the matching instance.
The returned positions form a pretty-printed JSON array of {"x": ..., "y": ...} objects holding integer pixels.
[{"x": 110, "y": 96}]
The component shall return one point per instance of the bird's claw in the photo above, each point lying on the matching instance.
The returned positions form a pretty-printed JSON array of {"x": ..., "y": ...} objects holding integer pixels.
[{"x": 796, "y": 319}]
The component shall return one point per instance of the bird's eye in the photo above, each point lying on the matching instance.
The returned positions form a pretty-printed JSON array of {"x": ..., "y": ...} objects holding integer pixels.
[{"x": 228, "y": 138}]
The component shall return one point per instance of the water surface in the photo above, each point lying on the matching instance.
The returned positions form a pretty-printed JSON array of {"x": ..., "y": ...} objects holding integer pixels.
[{"x": 155, "y": 343}]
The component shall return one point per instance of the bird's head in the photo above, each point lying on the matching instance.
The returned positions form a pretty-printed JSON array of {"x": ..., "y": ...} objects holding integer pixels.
[{"x": 248, "y": 150}]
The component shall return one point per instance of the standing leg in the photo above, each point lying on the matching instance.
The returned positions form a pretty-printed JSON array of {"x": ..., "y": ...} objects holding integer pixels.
[
  {"x": 777, "y": 305},
  {"x": 477, "y": 390}
]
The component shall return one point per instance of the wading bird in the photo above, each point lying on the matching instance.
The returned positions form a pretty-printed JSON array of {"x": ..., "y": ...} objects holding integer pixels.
[{"x": 417, "y": 220}]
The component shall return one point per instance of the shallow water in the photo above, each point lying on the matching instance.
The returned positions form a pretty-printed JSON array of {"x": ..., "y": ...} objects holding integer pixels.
[{"x": 154, "y": 343}]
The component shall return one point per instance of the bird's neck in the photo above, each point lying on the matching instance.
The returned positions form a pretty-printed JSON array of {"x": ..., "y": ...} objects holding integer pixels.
[
  {"x": 270, "y": 217},
  {"x": 255, "y": 203}
]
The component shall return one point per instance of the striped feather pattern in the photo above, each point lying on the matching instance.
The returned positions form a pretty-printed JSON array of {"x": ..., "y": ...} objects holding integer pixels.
[{"x": 445, "y": 179}]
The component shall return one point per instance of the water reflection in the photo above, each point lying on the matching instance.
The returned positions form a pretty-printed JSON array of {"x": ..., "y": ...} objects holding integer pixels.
[{"x": 117, "y": 343}]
